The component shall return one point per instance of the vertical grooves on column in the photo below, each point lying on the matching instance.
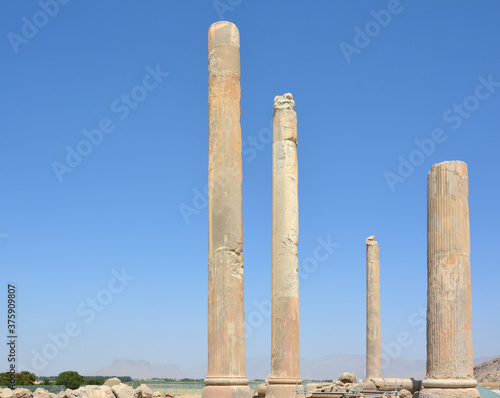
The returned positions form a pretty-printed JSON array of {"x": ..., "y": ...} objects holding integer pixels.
[
  {"x": 226, "y": 348},
  {"x": 223, "y": 34},
  {"x": 449, "y": 334}
]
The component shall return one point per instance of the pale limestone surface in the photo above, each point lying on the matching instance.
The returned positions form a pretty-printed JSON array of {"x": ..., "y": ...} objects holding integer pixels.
[
  {"x": 449, "y": 393},
  {"x": 405, "y": 394},
  {"x": 347, "y": 383},
  {"x": 143, "y": 391},
  {"x": 6, "y": 393},
  {"x": 65, "y": 394},
  {"x": 22, "y": 393},
  {"x": 379, "y": 387},
  {"x": 373, "y": 350},
  {"x": 226, "y": 319},
  {"x": 285, "y": 372},
  {"x": 123, "y": 391},
  {"x": 449, "y": 327},
  {"x": 42, "y": 393},
  {"x": 114, "y": 381},
  {"x": 348, "y": 377},
  {"x": 388, "y": 384},
  {"x": 96, "y": 392}
]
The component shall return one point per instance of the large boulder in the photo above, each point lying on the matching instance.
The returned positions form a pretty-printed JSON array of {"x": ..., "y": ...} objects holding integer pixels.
[
  {"x": 65, "y": 394},
  {"x": 369, "y": 385},
  {"x": 347, "y": 377},
  {"x": 260, "y": 390},
  {"x": 405, "y": 393},
  {"x": 6, "y": 393},
  {"x": 328, "y": 387},
  {"x": 82, "y": 392},
  {"x": 358, "y": 386},
  {"x": 93, "y": 392},
  {"x": 79, "y": 393},
  {"x": 104, "y": 392},
  {"x": 143, "y": 391},
  {"x": 324, "y": 387},
  {"x": 123, "y": 391},
  {"x": 114, "y": 381},
  {"x": 40, "y": 393},
  {"x": 339, "y": 387},
  {"x": 312, "y": 387},
  {"x": 22, "y": 393}
]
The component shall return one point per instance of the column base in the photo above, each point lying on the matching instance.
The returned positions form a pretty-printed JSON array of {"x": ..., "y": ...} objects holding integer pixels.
[
  {"x": 283, "y": 388},
  {"x": 226, "y": 392},
  {"x": 449, "y": 383},
  {"x": 449, "y": 393}
]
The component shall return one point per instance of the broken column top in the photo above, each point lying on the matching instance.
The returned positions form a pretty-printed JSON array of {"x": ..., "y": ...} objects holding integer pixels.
[
  {"x": 284, "y": 101},
  {"x": 449, "y": 177},
  {"x": 370, "y": 240},
  {"x": 223, "y": 33},
  {"x": 453, "y": 166}
]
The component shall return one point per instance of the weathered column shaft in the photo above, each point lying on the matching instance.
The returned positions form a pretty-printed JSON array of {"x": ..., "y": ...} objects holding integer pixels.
[
  {"x": 449, "y": 329},
  {"x": 285, "y": 372},
  {"x": 226, "y": 322},
  {"x": 372, "y": 309}
]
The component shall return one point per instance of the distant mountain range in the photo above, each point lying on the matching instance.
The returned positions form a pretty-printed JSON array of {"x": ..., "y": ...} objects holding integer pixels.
[
  {"x": 325, "y": 368},
  {"x": 138, "y": 370}
]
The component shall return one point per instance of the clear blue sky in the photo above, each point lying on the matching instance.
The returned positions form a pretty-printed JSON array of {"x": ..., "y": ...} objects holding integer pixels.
[{"x": 361, "y": 100}]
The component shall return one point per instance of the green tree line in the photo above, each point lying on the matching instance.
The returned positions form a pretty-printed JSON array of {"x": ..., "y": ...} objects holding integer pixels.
[{"x": 69, "y": 379}]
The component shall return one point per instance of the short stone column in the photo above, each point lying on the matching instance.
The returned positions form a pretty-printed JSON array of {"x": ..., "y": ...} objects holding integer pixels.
[
  {"x": 373, "y": 369},
  {"x": 449, "y": 329},
  {"x": 226, "y": 319},
  {"x": 285, "y": 372}
]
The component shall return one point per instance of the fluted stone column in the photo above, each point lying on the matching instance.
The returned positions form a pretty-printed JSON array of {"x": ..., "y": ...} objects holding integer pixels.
[
  {"x": 226, "y": 320},
  {"x": 373, "y": 369},
  {"x": 285, "y": 371},
  {"x": 449, "y": 330}
]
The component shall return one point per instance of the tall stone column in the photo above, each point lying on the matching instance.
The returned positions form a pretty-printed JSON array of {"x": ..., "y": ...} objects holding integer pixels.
[
  {"x": 449, "y": 330},
  {"x": 226, "y": 319},
  {"x": 372, "y": 309},
  {"x": 285, "y": 373}
]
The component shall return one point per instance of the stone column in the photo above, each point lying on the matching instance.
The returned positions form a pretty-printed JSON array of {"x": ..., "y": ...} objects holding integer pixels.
[
  {"x": 449, "y": 330},
  {"x": 285, "y": 371},
  {"x": 372, "y": 309},
  {"x": 226, "y": 319}
]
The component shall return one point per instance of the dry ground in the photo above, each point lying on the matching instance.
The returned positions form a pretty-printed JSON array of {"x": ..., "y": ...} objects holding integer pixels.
[{"x": 494, "y": 386}]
